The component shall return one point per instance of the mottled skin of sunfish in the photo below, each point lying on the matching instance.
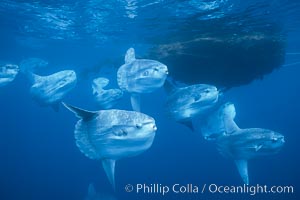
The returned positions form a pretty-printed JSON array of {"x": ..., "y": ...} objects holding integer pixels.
[
  {"x": 185, "y": 103},
  {"x": 8, "y": 73},
  {"x": 31, "y": 64},
  {"x": 139, "y": 76},
  {"x": 105, "y": 98},
  {"x": 213, "y": 125},
  {"x": 110, "y": 135},
  {"x": 50, "y": 90},
  {"x": 244, "y": 144}
]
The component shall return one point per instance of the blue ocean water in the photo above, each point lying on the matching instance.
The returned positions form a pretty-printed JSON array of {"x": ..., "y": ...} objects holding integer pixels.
[{"x": 39, "y": 158}]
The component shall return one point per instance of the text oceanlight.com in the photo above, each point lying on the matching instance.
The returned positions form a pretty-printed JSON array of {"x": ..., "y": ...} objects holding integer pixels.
[{"x": 207, "y": 188}]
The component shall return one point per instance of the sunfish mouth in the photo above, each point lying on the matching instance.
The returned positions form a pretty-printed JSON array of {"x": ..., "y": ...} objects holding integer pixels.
[{"x": 151, "y": 123}]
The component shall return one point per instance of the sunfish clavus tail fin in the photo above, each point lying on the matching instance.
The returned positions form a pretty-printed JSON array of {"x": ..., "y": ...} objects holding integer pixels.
[
  {"x": 80, "y": 113},
  {"x": 242, "y": 166},
  {"x": 109, "y": 168}
]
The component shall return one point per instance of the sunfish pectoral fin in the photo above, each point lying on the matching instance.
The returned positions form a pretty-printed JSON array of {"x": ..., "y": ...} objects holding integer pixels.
[
  {"x": 109, "y": 168},
  {"x": 130, "y": 55},
  {"x": 136, "y": 102},
  {"x": 242, "y": 166},
  {"x": 80, "y": 113},
  {"x": 94, "y": 88},
  {"x": 258, "y": 147}
]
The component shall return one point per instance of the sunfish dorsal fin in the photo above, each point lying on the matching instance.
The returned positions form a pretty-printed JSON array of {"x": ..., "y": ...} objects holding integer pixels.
[
  {"x": 130, "y": 55},
  {"x": 242, "y": 166},
  {"x": 136, "y": 102},
  {"x": 80, "y": 113},
  {"x": 230, "y": 126},
  {"x": 109, "y": 168},
  {"x": 33, "y": 77}
]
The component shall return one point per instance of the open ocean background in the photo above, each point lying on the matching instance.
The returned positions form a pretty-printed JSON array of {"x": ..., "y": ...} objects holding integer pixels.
[{"x": 38, "y": 156}]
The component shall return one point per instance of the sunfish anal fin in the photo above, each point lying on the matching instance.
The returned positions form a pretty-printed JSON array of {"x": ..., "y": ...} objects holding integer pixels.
[
  {"x": 242, "y": 166},
  {"x": 169, "y": 85},
  {"x": 189, "y": 124},
  {"x": 55, "y": 107},
  {"x": 130, "y": 55},
  {"x": 80, "y": 113},
  {"x": 135, "y": 102},
  {"x": 91, "y": 191},
  {"x": 109, "y": 168}
]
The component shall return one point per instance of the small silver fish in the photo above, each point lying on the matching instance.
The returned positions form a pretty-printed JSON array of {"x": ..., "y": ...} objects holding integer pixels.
[
  {"x": 8, "y": 73},
  {"x": 105, "y": 98},
  {"x": 50, "y": 90}
]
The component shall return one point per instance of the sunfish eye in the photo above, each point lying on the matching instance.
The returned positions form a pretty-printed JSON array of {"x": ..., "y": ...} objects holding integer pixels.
[
  {"x": 197, "y": 97},
  {"x": 274, "y": 139},
  {"x": 206, "y": 91},
  {"x": 139, "y": 126},
  {"x": 146, "y": 73},
  {"x": 124, "y": 133},
  {"x": 156, "y": 69}
]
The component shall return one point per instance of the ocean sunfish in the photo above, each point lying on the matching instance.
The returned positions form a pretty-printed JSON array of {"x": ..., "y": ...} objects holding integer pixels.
[
  {"x": 244, "y": 144},
  {"x": 8, "y": 73},
  {"x": 213, "y": 125},
  {"x": 32, "y": 64},
  {"x": 50, "y": 90},
  {"x": 105, "y": 98},
  {"x": 109, "y": 135},
  {"x": 139, "y": 76},
  {"x": 185, "y": 103}
]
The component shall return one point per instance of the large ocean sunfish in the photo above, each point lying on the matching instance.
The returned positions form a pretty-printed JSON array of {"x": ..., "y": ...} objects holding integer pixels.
[
  {"x": 244, "y": 144},
  {"x": 8, "y": 73},
  {"x": 106, "y": 98},
  {"x": 110, "y": 135},
  {"x": 139, "y": 76},
  {"x": 50, "y": 90},
  {"x": 185, "y": 103}
]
